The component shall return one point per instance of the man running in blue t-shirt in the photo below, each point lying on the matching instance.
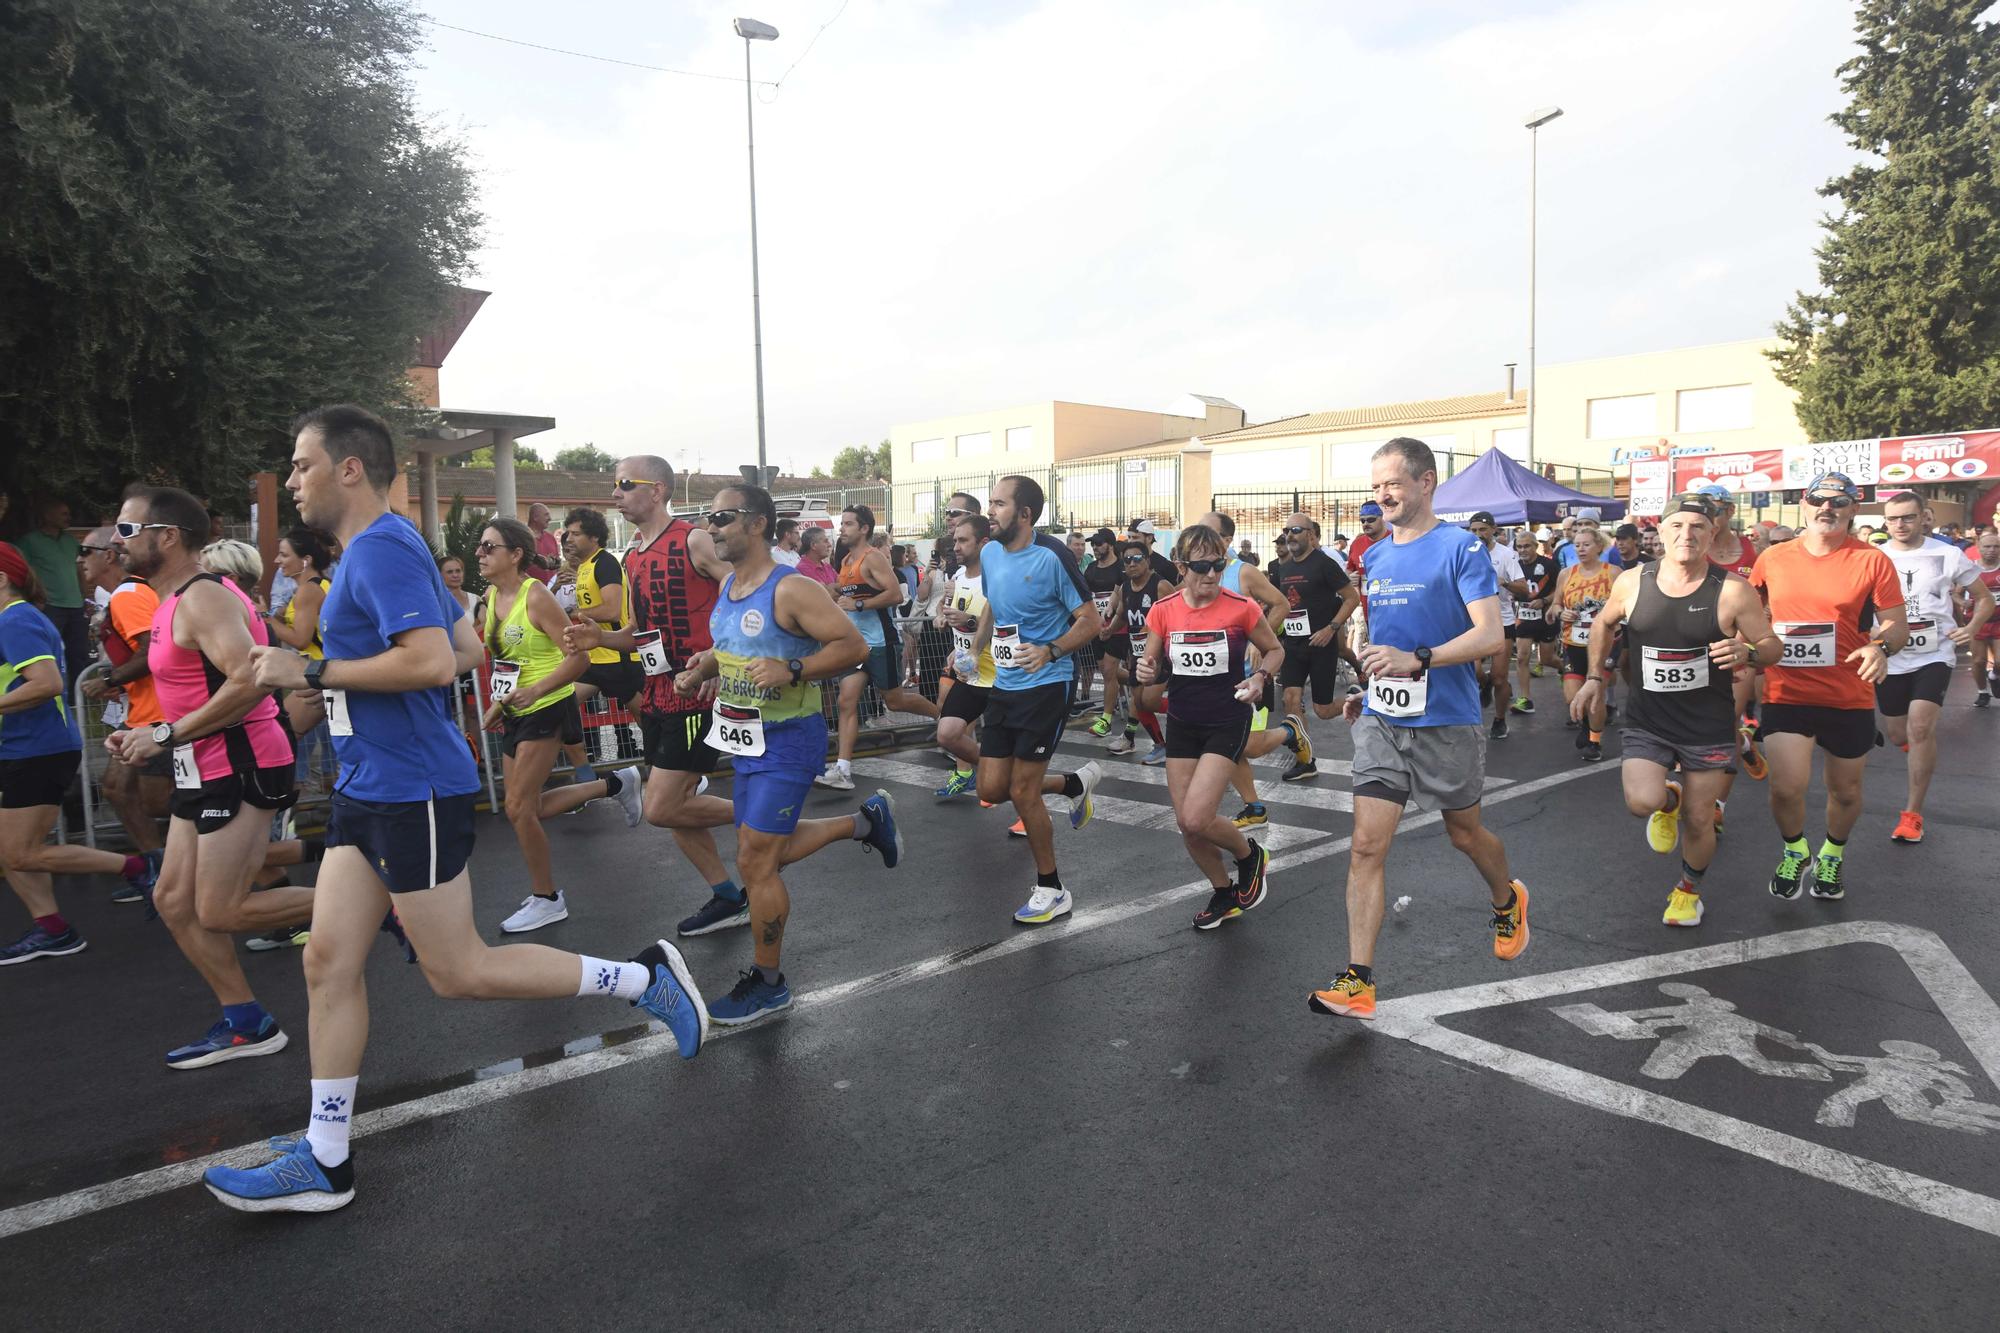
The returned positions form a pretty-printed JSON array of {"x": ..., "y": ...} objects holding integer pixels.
[
  {"x": 401, "y": 829},
  {"x": 1433, "y": 610}
]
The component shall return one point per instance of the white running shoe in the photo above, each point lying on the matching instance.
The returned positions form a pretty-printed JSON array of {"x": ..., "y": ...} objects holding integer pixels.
[
  {"x": 835, "y": 779},
  {"x": 1079, "y": 805},
  {"x": 535, "y": 913},
  {"x": 1043, "y": 906},
  {"x": 630, "y": 793}
]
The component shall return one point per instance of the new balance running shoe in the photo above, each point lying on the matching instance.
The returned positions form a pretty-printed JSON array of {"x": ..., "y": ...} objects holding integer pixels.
[
  {"x": 1043, "y": 906},
  {"x": 750, "y": 999},
  {"x": 958, "y": 784},
  {"x": 294, "y": 1183},
  {"x": 880, "y": 812},
  {"x": 38, "y": 943},
  {"x": 718, "y": 913},
  {"x": 1510, "y": 927},
  {"x": 1253, "y": 815},
  {"x": 1347, "y": 996},
  {"x": 1683, "y": 908},
  {"x": 224, "y": 1042},
  {"x": 1788, "y": 880},
  {"x": 673, "y": 998}
]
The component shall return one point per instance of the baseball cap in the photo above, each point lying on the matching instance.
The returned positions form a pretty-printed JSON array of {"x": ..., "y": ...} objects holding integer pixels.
[
  {"x": 1482, "y": 516},
  {"x": 1719, "y": 494},
  {"x": 1627, "y": 532},
  {"x": 1369, "y": 509},
  {"x": 1143, "y": 526},
  {"x": 1545, "y": 533},
  {"x": 1834, "y": 483},
  {"x": 1697, "y": 502},
  {"x": 1588, "y": 515},
  {"x": 1103, "y": 535}
]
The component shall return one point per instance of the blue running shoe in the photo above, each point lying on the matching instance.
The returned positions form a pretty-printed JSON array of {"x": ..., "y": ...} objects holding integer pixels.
[
  {"x": 880, "y": 810},
  {"x": 958, "y": 784},
  {"x": 673, "y": 998},
  {"x": 718, "y": 913},
  {"x": 752, "y": 998},
  {"x": 294, "y": 1183},
  {"x": 392, "y": 926},
  {"x": 224, "y": 1042},
  {"x": 1155, "y": 756},
  {"x": 38, "y": 943}
]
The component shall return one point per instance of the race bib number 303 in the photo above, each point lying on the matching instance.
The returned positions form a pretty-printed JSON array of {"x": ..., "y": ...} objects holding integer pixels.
[
  {"x": 1808, "y": 644},
  {"x": 1198, "y": 652}
]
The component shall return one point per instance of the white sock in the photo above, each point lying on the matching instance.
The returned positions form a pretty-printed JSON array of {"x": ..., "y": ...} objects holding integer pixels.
[
  {"x": 846, "y": 768},
  {"x": 331, "y": 1118},
  {"x": 627, "y": 981}
]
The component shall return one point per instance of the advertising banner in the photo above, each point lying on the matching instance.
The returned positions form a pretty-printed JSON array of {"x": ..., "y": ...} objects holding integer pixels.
[
  {"x": 1760, "y": 470},
  {"x": 1652, "y": 483},
  {"x": 1973, "y": 456},
  {"x": 1857, "y": 458}
]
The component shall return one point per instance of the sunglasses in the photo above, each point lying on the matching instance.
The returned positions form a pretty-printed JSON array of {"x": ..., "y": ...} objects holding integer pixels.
[
  {"x": 956, "y": 513},
  {"x": 92, "y": 550},
  {"x": 1204, "y": 566},
  {"x": 127, "y": 531},
  {"x": 630, "y": 484},
  {"x": 1296, "y": 532},
  {"x": 1135, "y": 559},
  {"x": 1840, "y": 501},
  {"x": 488, "y": 548},
  {"x": 722, "y": 518}
]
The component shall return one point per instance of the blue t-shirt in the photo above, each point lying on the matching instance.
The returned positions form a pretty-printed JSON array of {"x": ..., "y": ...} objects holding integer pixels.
[
  {"x": 27, "y": 636},
  {"x": 405, "y": 746},
  {"x": 1035, "y": 590},
  {"x": 1418, "y": 592}
]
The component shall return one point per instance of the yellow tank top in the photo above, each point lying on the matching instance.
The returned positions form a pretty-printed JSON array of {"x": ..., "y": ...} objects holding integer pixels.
[
  {"x": 314, "y": 648},
  {"x": 515, "y": 639},
  {"x": 968, "y": 594},
  {"x": 590, "y": 594},
  {"x": 1585, "y": 594}
]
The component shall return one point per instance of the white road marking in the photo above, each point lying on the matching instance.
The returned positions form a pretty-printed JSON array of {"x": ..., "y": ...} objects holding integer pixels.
[
  {"x": 1958, "y": 997},
  {"x": 130, "y": 1189}
]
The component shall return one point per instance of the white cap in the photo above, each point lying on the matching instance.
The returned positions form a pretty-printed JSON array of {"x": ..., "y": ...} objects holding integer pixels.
[
  {"x": 1144, "y": 525},
  {"x": 1545, "y": 533}
]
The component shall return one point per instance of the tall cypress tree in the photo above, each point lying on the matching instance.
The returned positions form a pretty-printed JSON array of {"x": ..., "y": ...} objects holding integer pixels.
[{"x": 1903, "y": 337}]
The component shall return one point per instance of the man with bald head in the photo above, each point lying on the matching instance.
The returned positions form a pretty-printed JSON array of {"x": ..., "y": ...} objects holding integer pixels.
[
  {"x": 1319, "y": 597},
  {"x": 548, "y": 550}
]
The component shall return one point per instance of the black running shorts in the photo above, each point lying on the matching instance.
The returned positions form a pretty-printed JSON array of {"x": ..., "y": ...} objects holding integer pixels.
[
  {"x": 1928, "y": 682},
  {"x": 1844, "y": 733},
  {"x": 1320, "y": 665},
  {"x": 674, "y": 741},
  {"x": 1024, "y": 724},
  {"x": 37, "y": 779},
  {"x": 213, "y": 804},
  {"x": 1192, "y": 740},
  {"x": 411, "y": 845}
]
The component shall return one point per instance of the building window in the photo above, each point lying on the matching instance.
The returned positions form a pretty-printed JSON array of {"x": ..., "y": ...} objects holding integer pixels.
[
  {"x": 1622, "y": 418},
  {"x": 923, "y": 503},
  {"x": 1020, "y": 439},
  {"x": 926, "y": 451},
  {"x": 1726, "y": 407},
  {"x": 976, "y": 444},
  {"x": 1512, "y": 441}
]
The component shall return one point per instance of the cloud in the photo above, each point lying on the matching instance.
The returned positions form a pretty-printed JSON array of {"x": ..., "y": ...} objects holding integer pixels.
[{"x": 963, "y": 208}]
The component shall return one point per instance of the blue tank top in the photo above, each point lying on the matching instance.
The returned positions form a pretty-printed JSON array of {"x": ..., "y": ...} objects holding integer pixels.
[
  {"x": 1232, "y": 576},
  {"x": 749, "y": 629}
]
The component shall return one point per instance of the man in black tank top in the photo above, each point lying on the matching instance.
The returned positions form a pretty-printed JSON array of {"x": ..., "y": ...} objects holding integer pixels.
[{"x": 1690, "y": 626}]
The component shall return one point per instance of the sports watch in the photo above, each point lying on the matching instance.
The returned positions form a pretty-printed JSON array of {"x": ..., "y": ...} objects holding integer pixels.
[
  {"x": 1423, "y": 656},
  {"x": 163, "y": 734},
  {"x": 798, "y": 670},
  {"x": 315, "y": 668}
]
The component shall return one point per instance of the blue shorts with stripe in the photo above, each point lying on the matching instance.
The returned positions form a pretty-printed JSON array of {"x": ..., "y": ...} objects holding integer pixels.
[{"x": 411, "y": 845}]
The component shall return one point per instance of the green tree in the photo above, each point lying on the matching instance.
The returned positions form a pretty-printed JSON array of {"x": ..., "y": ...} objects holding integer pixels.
[
  {"x": 460, "y": 537},
  {"x": 217, "y": 213},
  {"x": 585, "y": 458},
  {"x": 1903, "y": 337},
  {"x": 525, "y": 459},
  {"x": 858, "y": 462}
]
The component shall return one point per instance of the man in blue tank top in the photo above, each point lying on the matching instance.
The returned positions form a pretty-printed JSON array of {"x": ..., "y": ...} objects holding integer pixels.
[{"x": 777, "y": 635}]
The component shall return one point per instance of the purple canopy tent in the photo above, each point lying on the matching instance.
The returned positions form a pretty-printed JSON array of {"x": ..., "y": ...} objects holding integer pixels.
[{"x": 1513, "y": 494}]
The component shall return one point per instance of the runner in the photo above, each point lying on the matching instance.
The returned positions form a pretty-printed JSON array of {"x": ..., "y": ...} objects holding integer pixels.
[
  {"x": 868, "y": 591},
  {"x": 1373, "y": 529},
  {"x": 1690, "y": 625},
  {"x": 671, "y": 574},
  {"x": 1197, "y": 642},
  {"x": 401, "y": 829},
  {"x": 1732, "y": 551},
  {"x": 1986, "y": 643},
  {"x": 1512, "y": 581},
  {"x": 1102, "y": 576},
  {"x": 139, "y": 796},
  {"x": 304, "y": 556},
  {"x": 1246, "y": 580},
  {"x": 232, "y": 766},
  {"x": 1433, "y": 610},
  {"x": 1580, "y": 592},
  {"x": 777, "y": 634},
  {"x": 1143, "y": 531},
  {"x": 1935, "y": 575},
  {"x": 1838, "y": 606},
  {"x": 1038, "y": 612},
  {"x": 1319, "y": 601},
  {"x": 40, "y": 751},
  {"x": 1535, "y": 629},
  {"x": 600, "y": 596},
  {"x": 1130, "y": 605},
  {"x": 964, "y": 690}
]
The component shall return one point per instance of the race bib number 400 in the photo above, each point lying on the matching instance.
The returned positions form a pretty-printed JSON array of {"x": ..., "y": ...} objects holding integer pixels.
[
  {"x": 1923, "y": 638},
  {"x": 1006, "y": 645},
  {"x": 737, "y": 729},
  {"x": 1808, "y": 644},
  {"x": 1399, "y": 696},
  {"x": 1672, "y": 670},
  {"x": 1198, "y": 652}
]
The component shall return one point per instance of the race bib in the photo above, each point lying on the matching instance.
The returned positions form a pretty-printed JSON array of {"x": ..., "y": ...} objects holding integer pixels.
[
  {"x": 1103, "y": 601},
  {"x": 737, "y": 729},
  {"x": 506, "y": 675},
  {"x": 1580, "y": 631},
  {"x": 115, "y": 712},
  {"x": 652, "y": 653},
  {"x": 1297, "y": 625},
  {"x": 1808, "y": 644},
  {"x": 1399, "y": 696},
  {"x": 1006, "y": 643},
  {"x": 962, "y": 641},
  {"x": 187, "y": 774},
  {"x": 1671, "y": 670},
  {"x": 1527, "y": 614},
  {"x": 1923, "y": 638},
  {"x": 337, "y": 721},
  {"x": 1198, "y": 652}
]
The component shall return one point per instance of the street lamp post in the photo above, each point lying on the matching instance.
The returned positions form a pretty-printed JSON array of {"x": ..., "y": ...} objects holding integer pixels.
[
  {"x": 750, "y": 30},
  {"x": 1536, "y": 119}
]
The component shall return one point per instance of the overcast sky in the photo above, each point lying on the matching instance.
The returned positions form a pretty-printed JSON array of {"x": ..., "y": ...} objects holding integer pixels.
[{"x": 967, "y": 206}]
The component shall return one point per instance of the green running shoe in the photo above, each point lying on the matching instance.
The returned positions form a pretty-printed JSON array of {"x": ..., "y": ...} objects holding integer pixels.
[
  {"x": 1101, "y": 725},
  {"x": 1789, "y": 878},
  {"x": 1826, "y": 878}
]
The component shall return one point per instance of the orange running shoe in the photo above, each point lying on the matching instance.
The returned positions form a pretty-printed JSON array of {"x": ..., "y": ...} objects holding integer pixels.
[
  {"x": 1910, "y": 828},
  {"x": 1015, "y": 830},
  {"x": 1348, "y": 997},
  {"x": 1754, "y": 766},
  {"x": 1510, "y": 928}
]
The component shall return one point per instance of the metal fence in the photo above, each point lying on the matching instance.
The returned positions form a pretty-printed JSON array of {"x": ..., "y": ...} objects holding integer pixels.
[
  {"x": 1090, "y": 494},
  {"x": 1260, "y": 514}
]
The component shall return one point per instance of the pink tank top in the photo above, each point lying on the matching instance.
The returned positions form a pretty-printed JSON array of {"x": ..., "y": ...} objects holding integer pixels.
[{"x": 185, "y": 679}]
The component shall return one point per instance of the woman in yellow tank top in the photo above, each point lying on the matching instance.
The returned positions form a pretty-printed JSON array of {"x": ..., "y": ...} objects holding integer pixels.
[
  {"x": 304, "y": 554},
  {"x": 1580, "y": 593},
  {"x": 534, "y": 702}
]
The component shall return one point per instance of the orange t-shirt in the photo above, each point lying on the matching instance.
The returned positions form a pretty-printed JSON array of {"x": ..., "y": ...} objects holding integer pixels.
[
  {"x": 1812, "y": 597},
  {"x": 130, "y": 615}
]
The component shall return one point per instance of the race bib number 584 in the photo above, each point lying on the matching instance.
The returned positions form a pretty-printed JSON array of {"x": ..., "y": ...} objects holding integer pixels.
[{"x": 1808, "y": 644}]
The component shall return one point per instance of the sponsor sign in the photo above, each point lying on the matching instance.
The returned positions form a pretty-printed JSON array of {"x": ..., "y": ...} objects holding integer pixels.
[
  {"x": 1737, "y": 473},
  {"x": 1652, "y": 480},
  {"x": 1857, "y": 458},
  {"x": 1974, "y": 456}
]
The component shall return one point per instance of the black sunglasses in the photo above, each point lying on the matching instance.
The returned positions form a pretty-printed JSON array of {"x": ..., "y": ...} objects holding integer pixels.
[
  {"x": 1295, "y": 532},
  {"x": 1204, "y": 566},
  {"x": 632, "y": 484},
  {"x": 488, "y": 548},
  {"x": 1838, "y": 501},
  {"x": 1135, "y": 559},
  {"x": 722, "y": 518},
  {"x": 92, "y": 550}
]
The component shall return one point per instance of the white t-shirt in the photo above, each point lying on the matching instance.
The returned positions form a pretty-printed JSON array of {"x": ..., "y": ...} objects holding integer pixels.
[
  {"x": 790, "y": 559},
  {"x": 1507, "y": 569},
  {"x": 1930, "y": 575}
]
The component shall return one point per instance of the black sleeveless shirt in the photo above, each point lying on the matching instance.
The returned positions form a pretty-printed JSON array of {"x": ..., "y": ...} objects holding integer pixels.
[{"x": 1679, "y": 630}]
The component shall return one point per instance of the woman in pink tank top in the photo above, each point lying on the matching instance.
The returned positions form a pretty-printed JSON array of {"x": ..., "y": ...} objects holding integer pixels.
[{"x": 185, "y": 680}]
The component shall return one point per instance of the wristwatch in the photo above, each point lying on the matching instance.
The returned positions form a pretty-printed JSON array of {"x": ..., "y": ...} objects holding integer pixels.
[
  {"x": 315, "y": 668},
  {"x": 1423, "y": 656},
  {"x": 798, "y": 670},
  {"x": 163, "y": 734}
]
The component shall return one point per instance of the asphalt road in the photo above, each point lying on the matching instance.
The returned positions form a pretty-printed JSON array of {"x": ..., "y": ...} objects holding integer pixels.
[{"x": 1110, "y": 1122}]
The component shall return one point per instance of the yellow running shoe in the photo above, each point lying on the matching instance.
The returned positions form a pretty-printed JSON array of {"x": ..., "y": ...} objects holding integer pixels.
[
  {"x": 1663, "y": 827},
  {"x": 1348, "y": 997},
  {"x": 1683, "y": 909}
]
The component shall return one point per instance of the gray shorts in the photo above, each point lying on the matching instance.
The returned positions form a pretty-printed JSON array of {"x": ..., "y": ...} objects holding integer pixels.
[
  {"x": 1440, "y": 768},
  {"x": 1691, "y": 758}
]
